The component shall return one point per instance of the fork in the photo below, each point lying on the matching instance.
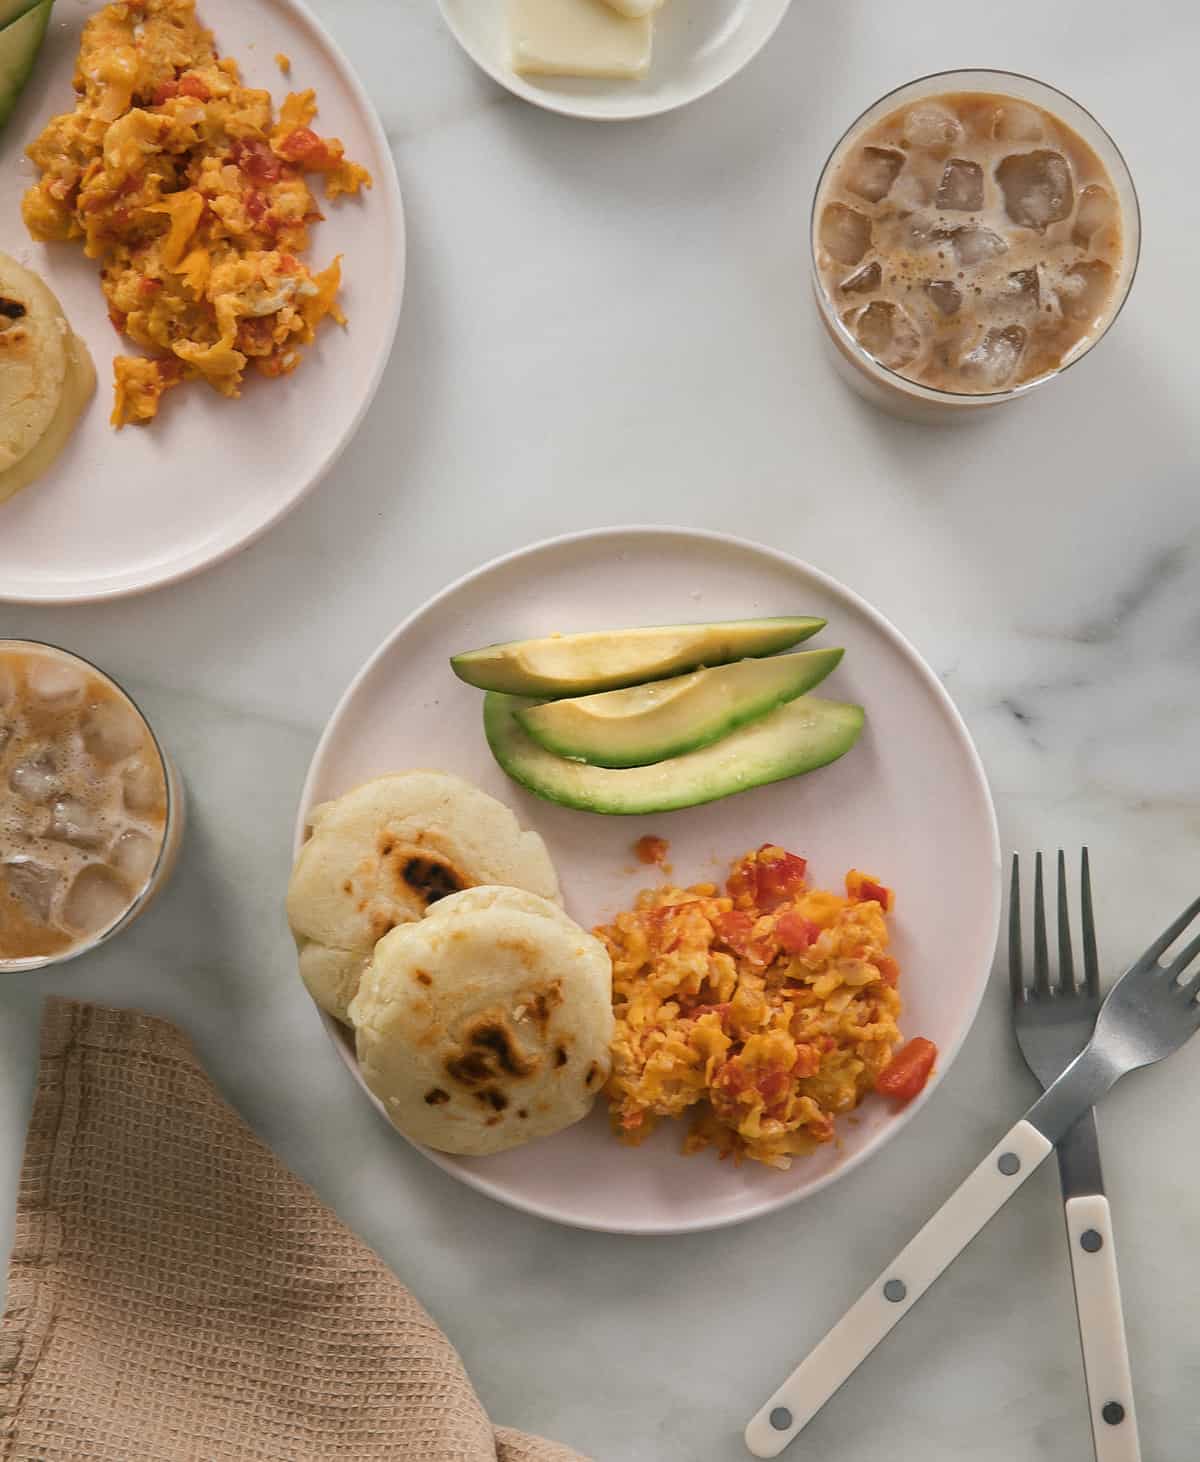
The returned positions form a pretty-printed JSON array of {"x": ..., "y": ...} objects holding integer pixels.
[
  {"x": 1053, "y": 1023},
  {"x": 1150, "y": 1013}
]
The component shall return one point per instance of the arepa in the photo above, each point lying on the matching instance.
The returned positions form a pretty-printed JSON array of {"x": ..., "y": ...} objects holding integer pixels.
[
  {"x": 487, "y": 1024},
  {"x": 46, "y": 377},
  {"x": 382, "y": 854}
]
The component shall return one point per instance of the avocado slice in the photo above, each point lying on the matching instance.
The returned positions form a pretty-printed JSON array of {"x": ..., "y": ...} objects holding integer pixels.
[
  {"x": 20, "y": 40},
  {"x": 562, "y": 665},
  {"x": 799, "y": 737},
  {"x": 666, "y": 718},
  {"x": 11, "y": 10}
]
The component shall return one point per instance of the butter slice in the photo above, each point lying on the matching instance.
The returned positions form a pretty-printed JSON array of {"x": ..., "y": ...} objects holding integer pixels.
[{"x": 579, "y": 38}]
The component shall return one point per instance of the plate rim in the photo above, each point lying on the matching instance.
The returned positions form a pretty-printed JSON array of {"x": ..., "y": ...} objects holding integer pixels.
[
  {"x": 390, "y": 195},
  {"x": 582, "y": 107},
  {"x": 946, "y": 1057}
]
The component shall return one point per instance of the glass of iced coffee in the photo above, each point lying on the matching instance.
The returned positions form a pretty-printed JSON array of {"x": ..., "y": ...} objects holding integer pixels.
[
  {"x": 974, "y": 233},
  {"x": 91, "y": 807}
]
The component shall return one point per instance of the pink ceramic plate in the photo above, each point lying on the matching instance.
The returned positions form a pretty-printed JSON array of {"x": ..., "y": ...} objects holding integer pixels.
[
  {"x": 122, "y": 512},
  {"x": 909, "y": 803}
]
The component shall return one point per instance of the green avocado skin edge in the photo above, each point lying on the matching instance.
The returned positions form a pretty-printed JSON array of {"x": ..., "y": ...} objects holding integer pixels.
[
  {"x": 677, "y": 729},
  {"x": 22, "y": 30},
  {"x": 798, "y": 737},
  {"x": 594, "y": 661}
]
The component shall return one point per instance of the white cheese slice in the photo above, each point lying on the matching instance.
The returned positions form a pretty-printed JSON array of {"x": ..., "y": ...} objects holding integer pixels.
[
  {"x": 579, "y": 38},
  {"x": 636, "y": 7}
]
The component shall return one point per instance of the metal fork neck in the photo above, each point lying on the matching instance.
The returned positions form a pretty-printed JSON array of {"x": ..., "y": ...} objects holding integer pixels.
[{"x": 1089, "y": 1077}]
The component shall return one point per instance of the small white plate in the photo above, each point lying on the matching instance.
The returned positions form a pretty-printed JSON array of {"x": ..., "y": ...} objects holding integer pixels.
[
  {"x": 909, "y": 804},
  {"x": 124, "y": 511},
  {"x": 698, "y": 45}
]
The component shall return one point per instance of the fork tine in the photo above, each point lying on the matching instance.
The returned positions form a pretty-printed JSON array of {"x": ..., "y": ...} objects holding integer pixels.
[
  {"x": 1091, "y": 960},
  {"x": 1172, "y": 932},
  {"x": 1016, "y": 974},
  {"x": 1187, "y": 957},
  {"x": 1066, "y": 960},
  {"x": 1041, "y": 954}
]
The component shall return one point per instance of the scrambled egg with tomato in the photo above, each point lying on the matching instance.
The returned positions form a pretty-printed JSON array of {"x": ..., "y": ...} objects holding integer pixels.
[
  {"x": 764, "y": 1011},
  {"x": 193, "y": 196}
]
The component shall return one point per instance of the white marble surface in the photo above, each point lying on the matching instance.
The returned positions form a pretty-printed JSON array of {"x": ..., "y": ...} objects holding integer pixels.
[{"x": 612, "y": 324}]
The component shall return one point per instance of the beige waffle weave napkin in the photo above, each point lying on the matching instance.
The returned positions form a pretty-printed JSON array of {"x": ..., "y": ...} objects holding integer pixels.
[{"x": 176, "y": 1295}]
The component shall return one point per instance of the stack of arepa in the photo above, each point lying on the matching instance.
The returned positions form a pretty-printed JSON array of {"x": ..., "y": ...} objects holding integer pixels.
[
  {"x": 46, "y": 377},
  {"x": 430, "y": 921}
]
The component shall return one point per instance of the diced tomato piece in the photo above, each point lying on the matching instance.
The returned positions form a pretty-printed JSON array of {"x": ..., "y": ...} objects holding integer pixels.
[
  {"x": 796, "y": 933},
  {"x": 632, "y": 1121},
  {"x": 908, "y": 1071},
  {"x": 257, "y": 161},
  {"x": 148, "y": 287},
  {"x": 192, "y": 85},
  {"x": 303, "y": 146},
  {"x": 256, "y": 205},
  {"x": 780, "y": 876},
  {"x": 731, "y": 1078},
  {"x": 862, "y": 888},
  {"x": 164, "y": 92},
  {"x": 696, "y": 1011},
  {"x": 735, "y": 930},
  {"x": 129, "y": 185},
  {"x": 767, "y": 878},
  {"x": 773, "y": 1086},
  {"x": 808, "y": 1061},
  {"x": 888, "y": 968},
  {"x": 651, "y": 850}
]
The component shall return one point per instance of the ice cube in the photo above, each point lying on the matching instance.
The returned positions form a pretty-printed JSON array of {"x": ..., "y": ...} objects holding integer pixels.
[
  {"x": 1037, "y": 187},
  {"x": 134, "y": 856},
  {"x": 885, "y": 331},
  {"x": 1022, "y": 291},
  {"x": 974, "y": 246},
  {"x": 142, "y": 786},
  {"x": 55, "y": 683},
  {"x": 1084, "y": 291},
  {"x": 33, "y": 886},
  {"x": 945, "y": 296},
  {"x": 871, "y": 171},
  {"x": 96, "y": 900},
  {"x": 995, "y": 357},
  {"x": 845, "y": 233},
  {"x": 1015, "y": 122},
  {"x": 111, "y": 730},
  {"x": 34, "y": 779},
  {"x": 911, "y": 191},
  {"x": 74, "y": 822},
  {"x": 932, "y": 129},
  {"x": 863, "y": 280},
  {"x": 1097, "y": 209},
  {"x": 961, "y": 188}
]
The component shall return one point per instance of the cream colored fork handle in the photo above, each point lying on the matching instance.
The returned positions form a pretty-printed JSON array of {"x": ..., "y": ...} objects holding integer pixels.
[
  {"x": 897, "y": 1289},
  {"x": 1102, "y": 1329}
]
